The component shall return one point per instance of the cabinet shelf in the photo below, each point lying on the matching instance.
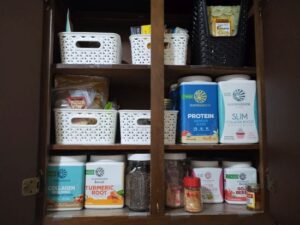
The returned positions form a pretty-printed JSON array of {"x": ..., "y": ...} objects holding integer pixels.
[
  {"x": 122, "y": 216},
  {"x": 176, "y": 147},
  {"x": 217, "y": 147},
  {"x": 115, "y": 147}
]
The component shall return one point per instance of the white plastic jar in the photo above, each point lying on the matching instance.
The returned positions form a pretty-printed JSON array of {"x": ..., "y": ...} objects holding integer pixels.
[
  {"x": 238, "y": 120},
  {"x": 65, "y": 189},
  {"x": 236, "y": 177},
  {"x": 104, "y": 182},
  {"x": 211, "y": 177}
]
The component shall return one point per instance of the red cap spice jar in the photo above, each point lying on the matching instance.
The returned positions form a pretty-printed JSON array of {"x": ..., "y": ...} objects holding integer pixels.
[{"x": 192, "y": 194}]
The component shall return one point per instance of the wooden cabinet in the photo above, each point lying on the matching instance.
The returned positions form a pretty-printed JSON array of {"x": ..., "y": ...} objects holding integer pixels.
[{"x": 145, "y": 86}]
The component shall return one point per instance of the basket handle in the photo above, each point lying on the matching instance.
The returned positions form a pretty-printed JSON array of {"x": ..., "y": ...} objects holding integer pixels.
[
  {"x": 83, "y": 121},
  {"x": 143, "y": 121},
  {"x": 87, "y": 44},
  {"x": 167, "y": 45}
]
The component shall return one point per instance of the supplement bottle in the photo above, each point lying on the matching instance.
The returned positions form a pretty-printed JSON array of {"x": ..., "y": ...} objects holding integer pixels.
[
  {"x": 104, "y": 184},
  {"x": 175, "y": 171},
  {"x": 138, "y": 182},
  {"x": 198, "y": 114},
  {"x": 192, "y": 194},
  {"x": 237, "y": 175},
  {"x": 238, "y": 122},
  {"x": 211, "y": 180},
  {"x": 65, "y": 189}
]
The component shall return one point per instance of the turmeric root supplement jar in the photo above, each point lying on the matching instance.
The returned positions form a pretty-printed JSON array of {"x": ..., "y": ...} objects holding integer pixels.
[
  {"x": 65, "y": 189},
  {"x": 104, "y": 182},
  {"x": 253, "y": 197}
]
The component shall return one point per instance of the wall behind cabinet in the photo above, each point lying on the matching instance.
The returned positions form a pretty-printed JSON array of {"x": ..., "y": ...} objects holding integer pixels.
[
  {"x": 282, "y": 69},
  {"x": 20, "y": 65}
]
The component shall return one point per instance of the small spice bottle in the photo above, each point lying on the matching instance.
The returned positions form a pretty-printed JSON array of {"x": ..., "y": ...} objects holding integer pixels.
[
  {"x": 253, "y": 197},
  {"x": 192, "y": 194}
]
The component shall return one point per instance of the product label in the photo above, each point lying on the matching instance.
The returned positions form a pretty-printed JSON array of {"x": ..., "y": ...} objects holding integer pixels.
[
  {"x": 221, "y": 26},
  {"x": 238, "y": 112},
  {"x": 104, "y": 184},
  {"x": 236, "y": 182},
  {"x": 198, "y": 113},
  {"x": 251, "y": 200},
  {"x": 211, "y": 184},
  {"x": 65, "y": 186}
]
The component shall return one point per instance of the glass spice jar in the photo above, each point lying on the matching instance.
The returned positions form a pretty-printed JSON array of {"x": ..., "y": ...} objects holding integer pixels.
[
  {"x": 175, "y": 170},
  {"x": 137, "y": 194},
  {"x": 192, "y": 194},
  {"x": 253, "y": 197}
]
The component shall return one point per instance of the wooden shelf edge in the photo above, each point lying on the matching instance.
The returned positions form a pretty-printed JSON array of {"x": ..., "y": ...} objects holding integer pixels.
[
  {"x": 61, "y": 66},
  {"x": 205, "y": 147},
  {"x": 116, "y": 147},
  {"x": 181, "y": 147}
]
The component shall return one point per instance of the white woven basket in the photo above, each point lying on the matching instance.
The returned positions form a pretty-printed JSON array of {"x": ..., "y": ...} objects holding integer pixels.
[
  {"x": 175, "y": 49},
  {"x": 136, "y": 128},
  {"x": 102, "y": 132},
  {"x": 107, "y": 49}
]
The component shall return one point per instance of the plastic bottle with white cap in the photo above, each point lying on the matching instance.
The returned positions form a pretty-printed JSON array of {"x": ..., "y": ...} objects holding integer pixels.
[
  {"x": 175, "y": 171},
  {"x": 211, "y": 176},
  {"x": 138, "y": 182},
  {"x": 104, "y": 183},
  {"x": 198, "y": 114},
  {"x": 65, "y": 189},
  {"x": 238, "y": 120},
  {"x": 236, "y": 177}
]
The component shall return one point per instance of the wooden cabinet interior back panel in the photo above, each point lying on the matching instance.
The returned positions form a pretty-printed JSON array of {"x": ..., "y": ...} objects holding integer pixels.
[
  {"x": 282, "y": 79},
  {"x": 20, "y": 60}
]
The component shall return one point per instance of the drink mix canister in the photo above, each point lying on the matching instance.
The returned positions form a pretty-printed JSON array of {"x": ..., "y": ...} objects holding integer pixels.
[
  {"x": 198, "y": 110},
  {"x": 238, "y": 120},
  {"x": 65, "y": 189},
  {"x": 104, "y": 187}
]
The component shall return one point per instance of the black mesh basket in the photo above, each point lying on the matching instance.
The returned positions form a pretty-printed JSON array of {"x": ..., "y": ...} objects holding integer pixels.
[{"x": 217, "y": 51}]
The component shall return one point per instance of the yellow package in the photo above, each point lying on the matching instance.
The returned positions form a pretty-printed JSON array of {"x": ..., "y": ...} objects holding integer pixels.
[
  {"x": 222, "y": 27},
  {"x": 146, "y": 29}
]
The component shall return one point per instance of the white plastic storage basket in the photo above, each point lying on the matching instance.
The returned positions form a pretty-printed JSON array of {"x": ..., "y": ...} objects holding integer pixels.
[
  {"x": 71, "y": 127},
  {"x": 175, "y": 48},
  {"x": 90, "y": 48},
  {"x": 136, "y": 128}
]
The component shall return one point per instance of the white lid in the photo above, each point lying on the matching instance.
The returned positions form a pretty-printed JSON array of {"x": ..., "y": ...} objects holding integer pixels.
[
  {"x": 173, "y": 87},
  {"x": 197, "y": 163},
  {"x": 235, "y": 164},
  {"x": 138, "y": 157},
  {"x": 233, "y": 77},
  {"x": 107, "y": 158},
  {"x": 66, "y": 159},
  {"x": 175, "y": 156},
  {"x": 195, "y": 78}
]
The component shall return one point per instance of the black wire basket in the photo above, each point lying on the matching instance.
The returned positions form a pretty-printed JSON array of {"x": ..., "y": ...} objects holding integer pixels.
[{"x": 217, "y": 51}]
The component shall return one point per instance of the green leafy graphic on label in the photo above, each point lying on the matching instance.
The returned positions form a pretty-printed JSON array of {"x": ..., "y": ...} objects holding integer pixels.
[
  {"x": 120, "y": 192},
  {"x": 232, "y": 176},
  {"x": 90, "y": 172}
]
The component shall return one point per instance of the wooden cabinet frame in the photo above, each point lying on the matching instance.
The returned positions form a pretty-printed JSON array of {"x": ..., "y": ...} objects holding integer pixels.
[{"x": 158, "y": 73}]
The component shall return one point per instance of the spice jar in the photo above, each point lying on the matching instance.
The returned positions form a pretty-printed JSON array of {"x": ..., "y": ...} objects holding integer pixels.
[
  {"x": 253, "y": 197},
  {"x": 175, "y": 170},
  {"x": 137, "y": 195},
  {"x": 192, "y": 194}
]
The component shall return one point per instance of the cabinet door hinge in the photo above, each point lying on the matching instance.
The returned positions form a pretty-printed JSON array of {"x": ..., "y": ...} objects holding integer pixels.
[{"x": 31, "y": 186}]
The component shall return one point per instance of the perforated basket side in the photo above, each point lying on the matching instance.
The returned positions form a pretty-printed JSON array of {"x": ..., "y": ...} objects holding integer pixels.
[
  {"x": 108, "y": 52},
  {"x": 170, "y": 123},
  {"x": 223, "y": 51},
  {"x": 176, "y": 49},
  {"x": 103, "y": 132}
]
